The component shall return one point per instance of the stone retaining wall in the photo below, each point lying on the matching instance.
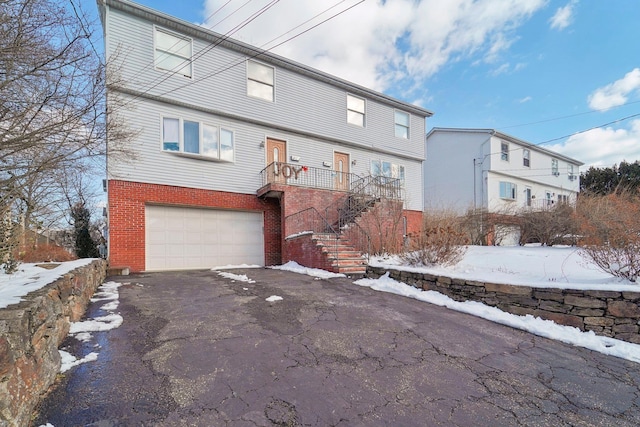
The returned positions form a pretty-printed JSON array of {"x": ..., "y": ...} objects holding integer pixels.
[
  {"x": 608, "y": 313},
  {"x": 30, "y": 333}
]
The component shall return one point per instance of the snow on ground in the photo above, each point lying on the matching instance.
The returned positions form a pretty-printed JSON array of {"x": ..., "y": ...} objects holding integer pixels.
[
  {"x": 314, "y": 272},
  {"x": 81, "y": 330},
  {"x": 238, "y": 277},
  {"x": 30, "y": 277},
  {"x": 273, "y": 298},
  {"x": 535, "y": 325},
  {"x": 540, "y": 266},
  {"x": 558, "y": 267}
]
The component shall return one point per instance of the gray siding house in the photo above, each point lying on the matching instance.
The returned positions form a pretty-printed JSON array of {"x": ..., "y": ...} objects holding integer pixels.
[{"x": 228, "y": 138}]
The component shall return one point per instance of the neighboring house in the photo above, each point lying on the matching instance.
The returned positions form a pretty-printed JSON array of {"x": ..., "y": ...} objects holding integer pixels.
[
  {"x": 486, "y": 170},
  {"x": 241, "y": 154}
]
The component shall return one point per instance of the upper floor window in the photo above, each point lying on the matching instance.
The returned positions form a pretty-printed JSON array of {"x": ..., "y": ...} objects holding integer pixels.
[
  {"x": 504, "y": 151},
  {"x": 173, "y": 52},
  {"x": 260, "y": 81},
  {"x": 570, "y": 172},
  {"x": 526, "y": 158},
  {"x": 402, "y": 124},
  {"x": 508, "y": 190},
  {"x": 355, "y": 110},
  {"x": 196, "y": 138},
  {"x": 554, "y": 167}
]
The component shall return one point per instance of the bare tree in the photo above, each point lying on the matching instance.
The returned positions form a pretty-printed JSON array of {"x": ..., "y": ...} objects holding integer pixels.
[{"x": 53, "y": 116}]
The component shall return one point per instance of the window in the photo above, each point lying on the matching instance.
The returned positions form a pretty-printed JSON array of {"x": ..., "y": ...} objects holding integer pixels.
[
  {"x": 173, "y": 52},
  {"x": 563, "y": 198},
  {"x": 504, "y": 151},
  {"x": 527, "y": 194},
  {"x": 198, "y": 139},
  {"x": 402, "y": 124},
  {"x": 260, "y": 82},
  {"x": 554, "y": 167},
  {"x": 508, "y": 190},
  {"x": 548, "y": 198},
  {"x": 570, "y": 172},
  {"x": 526, "y": 155},
  {"x": 387, "y": 169},
  {"x": 355, "y": 110}
]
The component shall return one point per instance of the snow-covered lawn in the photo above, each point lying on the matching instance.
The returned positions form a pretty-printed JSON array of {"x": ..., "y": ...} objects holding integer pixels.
[{"x": 539, "y": 266}]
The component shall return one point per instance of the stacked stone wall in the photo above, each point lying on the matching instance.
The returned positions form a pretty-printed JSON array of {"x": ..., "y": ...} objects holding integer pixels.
[
  {"x": 30, "y": 333},
  {"x": 613, "y": 314}
]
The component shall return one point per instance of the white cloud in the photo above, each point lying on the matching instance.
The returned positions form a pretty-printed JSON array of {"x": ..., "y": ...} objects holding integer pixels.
[
  {"x": 525, "y": 99},
  {"x": 603, "y": 147},
  {"x": 616, "y": 93},
  {"x": 378, "y": 43},
  {"x": 563, "y": 16}
]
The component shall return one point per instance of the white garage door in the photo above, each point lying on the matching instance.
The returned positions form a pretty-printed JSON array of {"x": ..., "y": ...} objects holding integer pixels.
[{"x": 189, "y": 238}]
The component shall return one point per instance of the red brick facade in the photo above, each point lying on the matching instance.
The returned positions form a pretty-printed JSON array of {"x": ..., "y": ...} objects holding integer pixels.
[{"x": 127, "y": 202}]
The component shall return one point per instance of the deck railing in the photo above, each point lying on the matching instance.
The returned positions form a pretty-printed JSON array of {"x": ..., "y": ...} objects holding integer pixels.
[{"x": 321, "y": 178}]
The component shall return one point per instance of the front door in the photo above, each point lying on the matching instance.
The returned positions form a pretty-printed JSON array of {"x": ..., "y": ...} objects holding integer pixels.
[
  {"x": 276, "y": 154},
  {"x": 341, "y": 168}
]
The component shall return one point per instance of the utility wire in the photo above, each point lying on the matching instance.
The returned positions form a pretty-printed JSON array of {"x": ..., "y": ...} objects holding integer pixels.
[{"x": 263, "y": 51}]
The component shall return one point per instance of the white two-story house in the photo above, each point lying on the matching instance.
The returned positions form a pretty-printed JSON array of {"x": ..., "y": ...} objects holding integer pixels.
[
  {"x": 237, "y": 149},
  {"x": 487, "y": 170}
]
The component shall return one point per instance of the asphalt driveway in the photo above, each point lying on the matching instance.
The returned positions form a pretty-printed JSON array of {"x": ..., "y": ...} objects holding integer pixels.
[{"x": 197, "y": 349}]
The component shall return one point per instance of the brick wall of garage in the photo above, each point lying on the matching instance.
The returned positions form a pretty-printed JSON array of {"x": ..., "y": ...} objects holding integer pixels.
[{"x": 127, "y": 202}]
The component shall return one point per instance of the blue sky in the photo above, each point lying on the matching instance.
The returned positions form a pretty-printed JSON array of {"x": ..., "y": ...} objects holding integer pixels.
[{"x": 540, "y": 70}]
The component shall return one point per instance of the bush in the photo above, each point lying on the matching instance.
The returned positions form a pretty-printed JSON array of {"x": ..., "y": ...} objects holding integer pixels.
[
  {"x": 46, "y": 253},
  {"x": 554, "y": 225},
  {"x": 441, "y": 241},
  {"x": 610, "y": 232}
]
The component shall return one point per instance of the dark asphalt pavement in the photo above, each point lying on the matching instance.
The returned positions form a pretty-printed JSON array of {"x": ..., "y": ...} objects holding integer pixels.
[{"x": 197, "y": 349}]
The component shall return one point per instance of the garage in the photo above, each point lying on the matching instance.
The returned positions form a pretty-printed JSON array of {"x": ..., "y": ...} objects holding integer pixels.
[{"x": 190, "y": 238}]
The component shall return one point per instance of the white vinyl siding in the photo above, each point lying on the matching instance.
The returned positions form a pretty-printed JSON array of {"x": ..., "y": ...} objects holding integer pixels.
[
  {"x": 173, "y": 52},
  {"x": 260, "y": 81},
  {"x": 402, "y": 121},
  {"x": 355, "y": 110}
]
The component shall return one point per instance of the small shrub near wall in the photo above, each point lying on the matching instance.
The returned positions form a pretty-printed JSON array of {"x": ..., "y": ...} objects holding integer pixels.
[
  {"x": 441, "y": 242},
  {"x": 610, "y": 232}
]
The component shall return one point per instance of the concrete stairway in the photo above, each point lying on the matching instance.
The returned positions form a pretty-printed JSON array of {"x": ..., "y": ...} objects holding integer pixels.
[{"x": 340, "y": 254}]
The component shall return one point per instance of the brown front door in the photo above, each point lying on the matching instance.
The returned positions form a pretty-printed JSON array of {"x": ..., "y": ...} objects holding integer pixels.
[
  {"x": 276, "y": 154},
  {"x": 341, "y": 168}
]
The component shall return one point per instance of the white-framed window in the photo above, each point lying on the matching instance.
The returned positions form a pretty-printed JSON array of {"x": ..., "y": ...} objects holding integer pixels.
[
  {"x": 173, "y": 52},
  {"x": 526, "y": 158},
  {"x": 554, "y": 167},
  {"x": 527, "y": 196},
  {"x": 508, "y": 190},
  {"x": 504, "y": 151},
  {"x": 387, "y": 170},
  {"x": 355, "y": 110},
  {"x": 563, "y": 198},
  {"x": 570, "y": 172},
  {"x": 402, "y": 121},
  {"x": 197, "y": 139},
  {"x": 260, "y": 81}
]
